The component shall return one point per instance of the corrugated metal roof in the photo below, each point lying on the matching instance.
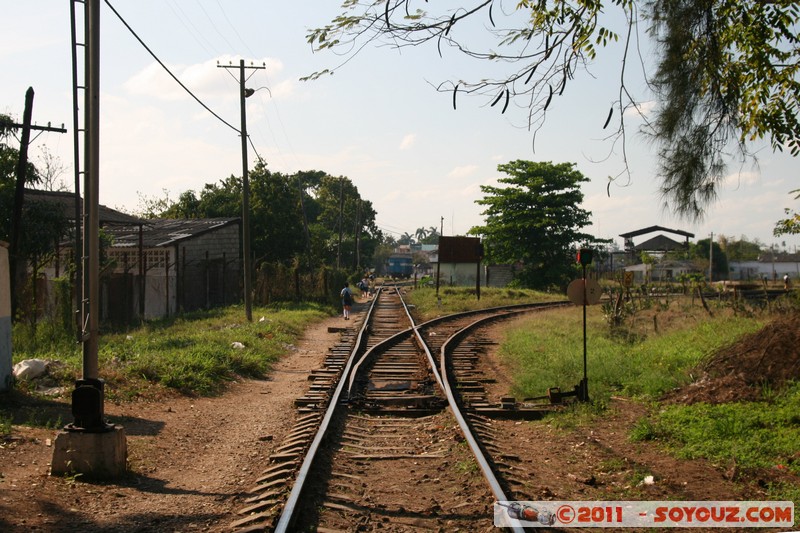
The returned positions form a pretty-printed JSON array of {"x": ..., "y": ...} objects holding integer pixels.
[
  {"x": 160, "y": 232},
  {"x": 652, "y": 229},
  {"x": 660, "y": 243},
  {"x": 66, "y": 202}
]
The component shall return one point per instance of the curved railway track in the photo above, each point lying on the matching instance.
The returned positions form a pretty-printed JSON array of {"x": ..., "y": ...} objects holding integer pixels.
[{"x": 395, "y": 431}]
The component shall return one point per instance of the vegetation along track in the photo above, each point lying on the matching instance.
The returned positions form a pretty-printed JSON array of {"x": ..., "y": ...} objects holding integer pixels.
[{"x": 380, "y": 439}]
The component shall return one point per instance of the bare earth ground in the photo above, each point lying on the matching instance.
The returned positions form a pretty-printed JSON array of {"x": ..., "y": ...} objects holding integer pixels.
[{"x": 193, "y": 459}]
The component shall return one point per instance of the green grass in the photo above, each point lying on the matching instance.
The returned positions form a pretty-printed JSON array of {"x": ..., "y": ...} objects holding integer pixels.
[
  {"x": 459, "y": 299},
  {"x": 749, "y": 434},
  {"x": 192, "y": 354},
  {"x": 547, "y": 351},
  {"x": 6, "y": 422}
]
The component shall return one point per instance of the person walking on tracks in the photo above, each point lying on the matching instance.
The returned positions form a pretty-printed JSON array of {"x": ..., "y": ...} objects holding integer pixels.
[{"x": 347, "y": 301}]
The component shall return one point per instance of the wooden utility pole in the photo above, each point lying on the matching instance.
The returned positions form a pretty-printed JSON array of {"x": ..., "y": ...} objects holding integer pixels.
[
  {"x": 16, "y": 264},
  {"x": 341, "y": 226},
  {"x": 248, "y": 267},
  {"x": 439, "y": 260},
  {"x": 357, "y": 231},
  {"x": 711, "y": 258}
]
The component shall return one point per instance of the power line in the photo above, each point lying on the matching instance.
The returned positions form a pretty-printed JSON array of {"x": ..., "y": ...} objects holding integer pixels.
[
  {"x": 194, "y": 33},
  {"x": 214, "y": 25},
  {"x": 108, "y": 3},
  {"x": 253, "y": 146},
  {"x": 235, "y": 30}
]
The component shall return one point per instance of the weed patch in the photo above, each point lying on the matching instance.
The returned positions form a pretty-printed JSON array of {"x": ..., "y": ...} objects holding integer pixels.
[
  {"x": 752, "y": 434},
  {"x": 196, "y": 353},
  {"x": 459, "y": 299},
  {"x": 547, "y": 351}
]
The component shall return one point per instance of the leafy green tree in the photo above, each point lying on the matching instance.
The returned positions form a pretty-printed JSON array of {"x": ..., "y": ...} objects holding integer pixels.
[
  {"x": 726, "y": 71},
  {"x": 791, "y": 224},
  {"x": 535, "y": 218},
  {"x": 277, "y": 224},
  {"x": 700, "y": 250},
  {"x": 741, "y": 249},
  {"x": 341, "y": 210},
  {"x": 293, "y": 217},
  {"x": 406, "y": 239},
  {"x": 9, "y": 157},
  {"x": 432, "y": 236},
  {"x": 40, "y": 228}
]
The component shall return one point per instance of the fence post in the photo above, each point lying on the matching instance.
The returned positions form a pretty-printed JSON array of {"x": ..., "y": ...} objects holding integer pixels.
[{"x": 5, "y": 319}]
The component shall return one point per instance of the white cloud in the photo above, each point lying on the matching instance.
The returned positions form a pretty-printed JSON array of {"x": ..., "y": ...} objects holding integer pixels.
[
  {"x": 739, "y": 179},
  {"x": 204, "y": 79},
  {"x": 473, "y": 190},
  {"x": 462, "y": 171},
  {"x": 408, "y": 141}
]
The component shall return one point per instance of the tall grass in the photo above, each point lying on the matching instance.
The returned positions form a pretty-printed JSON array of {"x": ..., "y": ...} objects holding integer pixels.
[
  {"x": 750, "y": 434},
  {"x": 194, "y": 353},
  {"x": 459, "y": 299},
  {"x": 547, "y": 351}
]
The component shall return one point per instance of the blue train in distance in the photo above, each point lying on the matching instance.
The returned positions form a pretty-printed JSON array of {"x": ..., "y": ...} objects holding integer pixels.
[{"x": 399, "y": 265}]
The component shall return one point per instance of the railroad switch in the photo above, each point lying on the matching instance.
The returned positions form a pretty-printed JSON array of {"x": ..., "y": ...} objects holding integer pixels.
[{"x": 555, "y": 395}]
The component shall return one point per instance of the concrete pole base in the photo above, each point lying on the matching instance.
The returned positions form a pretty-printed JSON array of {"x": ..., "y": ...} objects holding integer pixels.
[{"x": 101, "y": 455}]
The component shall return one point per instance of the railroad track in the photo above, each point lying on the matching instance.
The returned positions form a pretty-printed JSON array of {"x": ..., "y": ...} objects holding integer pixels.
[{"x": 395, "y": 431}]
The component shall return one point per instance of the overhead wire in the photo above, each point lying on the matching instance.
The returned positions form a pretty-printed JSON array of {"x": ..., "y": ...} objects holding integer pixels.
[
  {"x": 224, "y": 14},
  {"x": 214, "y": 25},
  {"x": 253, "y": 146},
  {"x": 193, "y": 31},
  {"x": 272, "y": 132},
  {"x": 174, "y": 77}
]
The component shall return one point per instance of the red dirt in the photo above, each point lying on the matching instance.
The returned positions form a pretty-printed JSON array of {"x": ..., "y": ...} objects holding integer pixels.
[
  {"x": 760, "y": 362},
  {"x": 193, "y": 459}
]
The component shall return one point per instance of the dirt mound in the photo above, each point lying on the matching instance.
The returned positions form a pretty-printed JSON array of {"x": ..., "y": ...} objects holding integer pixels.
[{"x": 745, "y": 370}]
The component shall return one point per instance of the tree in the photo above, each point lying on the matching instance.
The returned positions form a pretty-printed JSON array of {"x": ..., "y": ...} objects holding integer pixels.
[
  {"x": 535, "y": 219},
  {"x": 741, "y": 249},
  {"x": 50, "y": 171},
  {"x": 791, "y": 224},
  {"x": 700, "y": 250},
  {"x": 726, "y": 72},
  {"x": 432, "y": 236},
  {"x": 406, "y": 239},
  {"x": 40, "y": 226},
  {"x": 293, "y": 217}
]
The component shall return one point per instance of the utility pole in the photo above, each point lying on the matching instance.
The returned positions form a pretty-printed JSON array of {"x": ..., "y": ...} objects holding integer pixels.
[
  {"x": 16, "y": 266},
  {"x": 248, "y": 267},
  {"x": 439, "y": 261},
  {"x": 358, "y": 234},
  {"x": 90, "y": 445},
  {"x": 711, "y": 258},
  {"x": 341, "y": 226}
]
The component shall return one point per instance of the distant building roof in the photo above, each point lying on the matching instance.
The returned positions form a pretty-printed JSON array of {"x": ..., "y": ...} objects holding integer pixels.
[
  {"x": 160, "y": 232},
  {"x": 652, "y": 229},
  {"x": 659, "y": 243},
  {"x": 66, "y": 202}
]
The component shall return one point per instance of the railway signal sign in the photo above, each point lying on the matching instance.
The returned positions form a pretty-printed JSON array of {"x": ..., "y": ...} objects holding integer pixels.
[
  {"x": 584, "y": 292},
  {"x": 628, "y": 279},
  {"x": 578, "y": 296}
]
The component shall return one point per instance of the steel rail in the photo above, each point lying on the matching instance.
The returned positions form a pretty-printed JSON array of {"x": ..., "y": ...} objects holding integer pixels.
[
  {"x": 389, "y": 341},
  {"x": 441, "y": 374},
  {"x": 284, "y": 522},
  {"x": 488, "y": 473},
  {"x": 348, "y": 376}
]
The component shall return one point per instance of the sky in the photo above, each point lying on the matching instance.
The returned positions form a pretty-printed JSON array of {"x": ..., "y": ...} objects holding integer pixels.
[{"x": 378, "y": 121}]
